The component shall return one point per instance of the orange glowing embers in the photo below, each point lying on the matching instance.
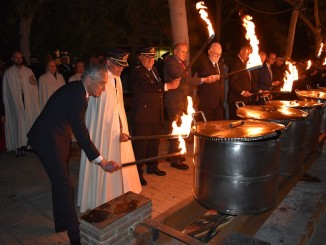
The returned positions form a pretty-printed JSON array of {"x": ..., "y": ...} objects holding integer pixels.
[
  {"x": 320, "y": 49},
  {"x": 308, "y": 65},
  {"x": 185, "y": 127},
  {"x": 291, "y": 75},
  {"x": 254, "y": 58},
  {"x": 204, "y": 15}
]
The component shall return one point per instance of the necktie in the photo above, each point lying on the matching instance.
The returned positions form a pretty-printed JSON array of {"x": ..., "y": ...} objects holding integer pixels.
[
  {"x": 270, "y": 73},
  {"x": 184, "y": 68},
  {"x": 156, "y": 78},
  {"x": 217, "y": 69}
]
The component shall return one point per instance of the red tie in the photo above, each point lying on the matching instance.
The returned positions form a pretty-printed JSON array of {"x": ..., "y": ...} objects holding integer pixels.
[{"x": 184, "y": 68}]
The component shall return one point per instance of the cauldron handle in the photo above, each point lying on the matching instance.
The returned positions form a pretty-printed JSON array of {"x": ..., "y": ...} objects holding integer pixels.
[
  {"x": 284, "y": 129},
  {"x": 239, "y": 104},
  {"x": 194, "y": 115},
  {"x": 266, "y": 99}
]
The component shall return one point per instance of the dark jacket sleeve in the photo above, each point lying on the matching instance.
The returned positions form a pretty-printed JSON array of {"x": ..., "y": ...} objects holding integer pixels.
[{"x": 78, "y": 125}]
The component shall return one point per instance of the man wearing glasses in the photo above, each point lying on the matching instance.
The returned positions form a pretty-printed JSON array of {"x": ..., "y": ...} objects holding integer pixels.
[{"x": 211, "y": 95}]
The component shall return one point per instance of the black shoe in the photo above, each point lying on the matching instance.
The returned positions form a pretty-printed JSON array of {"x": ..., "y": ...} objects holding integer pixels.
[
  {"x": 181, "y": 159},
  {"x": 75, "y": 243},
  {"x": 179, "y": 165},
  {"x": 20, "y": 151},
  {"x": 143, "y": 182},
  {"x": 157, "y": 172},
  {"x": 59, "y": 229},
  {"x": 309, "y": 178}
]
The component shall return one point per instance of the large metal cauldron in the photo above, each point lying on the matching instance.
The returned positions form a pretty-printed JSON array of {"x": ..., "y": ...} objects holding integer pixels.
[
  {"x": 317, "y": 96},
  {"x": 236, "y": 167},
  {"x": 292, "y": 148},
  {"x": 315, "y": 110}
]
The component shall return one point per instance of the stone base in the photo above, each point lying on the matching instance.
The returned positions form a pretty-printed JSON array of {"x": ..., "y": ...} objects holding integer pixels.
[{"x": 113, "y": 222}]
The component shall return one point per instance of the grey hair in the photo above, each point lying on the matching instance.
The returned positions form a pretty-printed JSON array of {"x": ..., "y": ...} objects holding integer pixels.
[{"x": 94, "y": 71}]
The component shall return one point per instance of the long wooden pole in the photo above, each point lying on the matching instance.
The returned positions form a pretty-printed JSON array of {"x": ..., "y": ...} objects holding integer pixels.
[
  {"x": 176, "y": 154},
  {"x": 160, "y": 136}
]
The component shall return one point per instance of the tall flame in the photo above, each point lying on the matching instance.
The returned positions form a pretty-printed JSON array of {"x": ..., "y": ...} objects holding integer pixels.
[
  {"x": 185, "y": 127},
  {"x": 320, "y": 49},
  {"x": 308, "y": 65},
  {"x": 254, "y": 58},
  {"x": 204, "y": 15},
  {"x": 324, "y": 61},
  {"x": 290, "y": 77}
]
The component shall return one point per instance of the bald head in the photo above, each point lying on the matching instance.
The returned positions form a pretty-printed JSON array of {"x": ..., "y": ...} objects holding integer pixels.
[
  {"x": 17, "y": 58},
  {"x": 215, "y": 52},
  {"x": 180, "y": 51}
]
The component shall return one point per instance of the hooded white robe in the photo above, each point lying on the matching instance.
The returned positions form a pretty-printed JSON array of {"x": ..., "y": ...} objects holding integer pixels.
[
  {"x": 102, "y": 119},
  {"x": 48, "y": 84},
  {"x": 20, "y": 114}
]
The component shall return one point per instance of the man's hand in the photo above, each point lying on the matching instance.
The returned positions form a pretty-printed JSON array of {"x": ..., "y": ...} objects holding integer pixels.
[
  {"x": 276, "y": 83},
  {"x": 173, "y": 84},
  {"x": 246, "y": 93},
  {"x": 210, "y": 79},
  {"x": 124, "y": 137},
  {"x": 216, "y": 78},
  {"x": 109, "y": 166}
]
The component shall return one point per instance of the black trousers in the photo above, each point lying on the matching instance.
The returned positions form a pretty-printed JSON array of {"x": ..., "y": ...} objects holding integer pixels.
[
  {"x": 146, "y": 148},
  {"x": 57, "y": 169},
  {"x": 232, "y": 111}
]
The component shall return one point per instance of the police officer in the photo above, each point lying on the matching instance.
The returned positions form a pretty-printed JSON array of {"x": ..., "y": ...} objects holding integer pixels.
[{"x": 147, "y": 108}]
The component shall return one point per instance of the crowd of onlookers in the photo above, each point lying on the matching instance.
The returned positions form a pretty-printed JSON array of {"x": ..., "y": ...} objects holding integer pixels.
[
  {"x": 268, "y": 77},
  {"x": 45, "y": 105}
]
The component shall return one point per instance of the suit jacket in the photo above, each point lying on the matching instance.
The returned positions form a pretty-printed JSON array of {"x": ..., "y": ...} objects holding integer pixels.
[
  {"x": 177, "y": 98},
  {"x": 211, "y": 94},
  {"x": 265, "y": 80},
  {"x": 278, "y": 75},
  {"x": 63, "y": 114},
  {"x": 147, "y": 103},
  {"x": 238, "y": 82}
]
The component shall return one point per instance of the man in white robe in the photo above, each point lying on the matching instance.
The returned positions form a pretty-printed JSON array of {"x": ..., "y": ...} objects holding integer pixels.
[
  {"x": 49, "y": 82},
  {"x": 107, "y": 124},
  {"x": 20, "y": 98}
]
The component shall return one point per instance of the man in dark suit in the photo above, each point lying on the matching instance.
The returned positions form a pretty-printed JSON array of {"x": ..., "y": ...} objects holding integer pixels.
[
  {"x": 175, "y": 100},
  {"x": 147, "y": 108},
  {"x": 255, "y": 73},
  {"x": 240, "y": 82},
  {"x": 50, "y": 138},
  {"x": 211, "y": 95},
  {"x": 266, "y": 81},
  {"x": 266, "y": 78}
]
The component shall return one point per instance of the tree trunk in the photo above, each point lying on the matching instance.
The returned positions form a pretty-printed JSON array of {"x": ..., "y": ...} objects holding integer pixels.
[
  {"x": 317, "y": 32},
  {"x": 24, "y": 31},
  {"x": 315, "y": 28},
  {"x": 291, "y": 34},
  {"x": 178, "y": 17},
  {"x": 218, "y": 13}
]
